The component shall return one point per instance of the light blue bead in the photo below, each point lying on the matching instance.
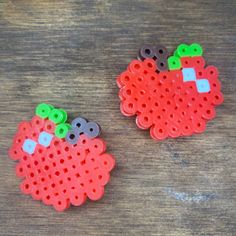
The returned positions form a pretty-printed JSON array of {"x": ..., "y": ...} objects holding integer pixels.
[
  {"x": 203, "y": 86},
  {"x": 29, "y": 146},
  {"x": 189, "y": 74},
  {"x": 45, "y": 139}
]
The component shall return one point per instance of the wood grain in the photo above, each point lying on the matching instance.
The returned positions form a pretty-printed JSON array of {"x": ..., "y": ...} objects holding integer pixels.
[{"x": 69, "y": 53}]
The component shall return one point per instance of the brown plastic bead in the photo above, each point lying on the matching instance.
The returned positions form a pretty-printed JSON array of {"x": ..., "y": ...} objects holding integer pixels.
[
  {"x": 146, "y": 52},
  {"x": 162, "y": 64},
  {"x": 161, "y": 52}
]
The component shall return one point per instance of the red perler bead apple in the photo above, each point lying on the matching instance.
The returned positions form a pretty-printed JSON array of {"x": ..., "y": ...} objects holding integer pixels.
[
  {"x": 173, "y": 96},
  {"x": 57, "y": 168}
]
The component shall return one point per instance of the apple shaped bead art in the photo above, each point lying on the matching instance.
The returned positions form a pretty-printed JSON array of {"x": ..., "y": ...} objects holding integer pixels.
[
  {"x": 60, "y": 164},
  {"x": 170, "y": 95}
]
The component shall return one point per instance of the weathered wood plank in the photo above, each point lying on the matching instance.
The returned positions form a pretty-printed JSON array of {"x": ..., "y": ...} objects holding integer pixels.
[{"x": 69, "y": 53}]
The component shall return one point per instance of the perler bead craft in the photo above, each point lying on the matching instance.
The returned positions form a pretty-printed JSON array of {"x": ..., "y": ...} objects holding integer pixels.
[
  {"x": 60, "y": 163},
  {"x": 172, "y": 95}
]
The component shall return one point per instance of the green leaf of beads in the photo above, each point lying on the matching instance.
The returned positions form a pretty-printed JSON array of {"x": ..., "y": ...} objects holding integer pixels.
[
  {"x": 184, "y": 50},
  {"x": 58, "y": 116}
]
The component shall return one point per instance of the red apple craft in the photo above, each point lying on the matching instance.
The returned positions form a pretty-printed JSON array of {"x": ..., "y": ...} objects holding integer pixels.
[
  {"x": 60, "y": 164},
  {"x": 172, "y": 95}
]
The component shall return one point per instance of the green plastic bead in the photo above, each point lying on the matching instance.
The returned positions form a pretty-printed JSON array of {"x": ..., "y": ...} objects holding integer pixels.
[
  {"x": 64, "y": 115},
  {"x": 183, "y": 50},
  {"x": 57, "y": 116},
  {"x": 174, "y": 63},
  {"x": 176, "y": 53},
  {"x": 43, "y": 110},
  {"x": 61, "y": 130},
  {"x": 195, "y": 50}
]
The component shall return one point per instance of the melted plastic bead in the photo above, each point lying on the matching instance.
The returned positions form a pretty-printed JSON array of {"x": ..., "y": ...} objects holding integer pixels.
[
  {"x": 146, "y": 52},
  {"x": 57, "y": 116},
  {"x": 174, "y": 63},
  {"x": 161, "y": 52},
  {"x": 43, "y": 110},
  {"x": 203, "y": 86},
  {"x": 195, "y": 50},
  {"x": 92, "y": 129},
  {"x": 189, "y": 74},
  {"x": 162, "y": 65},
  {"x": 29, "y": 146},
  {"x": 45, "y": 139},
  {"x": 72, "y": 136},
  {"x": 61, "y": 130},
  {"x": 183, "y": 50},
  {"x": 80, "y": 124}
]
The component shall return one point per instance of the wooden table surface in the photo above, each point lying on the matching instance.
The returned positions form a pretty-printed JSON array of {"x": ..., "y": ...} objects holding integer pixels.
[{"x": 68, "y": 53}]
